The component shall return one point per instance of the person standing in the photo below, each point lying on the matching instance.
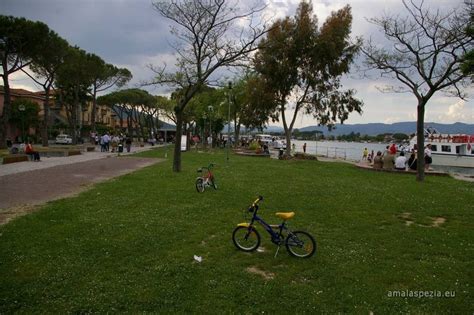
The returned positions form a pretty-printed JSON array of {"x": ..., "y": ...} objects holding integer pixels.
[
  {"x": 304, "y": 147},
  {"x": 102, "y": 143},
  {"x": 388, "y": 161},
  {"x": 209, "y": 141},
  {"x": 115, "y": 141},
  {"x": 371, "y": 156},
  {"x": 428, "y": 158},
  {"x": 365, "y": 154},
  {"x": 106, "y": 142},
  {"x": 393, "y": 149}
]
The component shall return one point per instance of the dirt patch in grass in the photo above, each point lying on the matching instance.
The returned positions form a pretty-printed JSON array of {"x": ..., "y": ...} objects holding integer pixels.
[
  {"x": 9, "y": 214},
  {"x": 266, "y": 275},
  {"x": 438, "y": 221},
  {"x": 406, "y": 216}
]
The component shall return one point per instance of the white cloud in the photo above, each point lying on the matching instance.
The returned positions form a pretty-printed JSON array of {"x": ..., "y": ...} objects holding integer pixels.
[
  {"x": 19, "y": 80},
  {"x": 131, "y": 34},
  {"x": 458, "y": 112}
]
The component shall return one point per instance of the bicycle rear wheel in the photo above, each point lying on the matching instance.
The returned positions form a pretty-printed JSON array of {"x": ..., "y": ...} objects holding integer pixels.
[
  {"x": 200, "y": 185},
  {"x": 300, "y": 244},
  {"x": 246, "y": 239}
]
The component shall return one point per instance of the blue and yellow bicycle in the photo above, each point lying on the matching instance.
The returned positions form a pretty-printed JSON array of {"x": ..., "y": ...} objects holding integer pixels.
[{"x": 247, "y": 238}]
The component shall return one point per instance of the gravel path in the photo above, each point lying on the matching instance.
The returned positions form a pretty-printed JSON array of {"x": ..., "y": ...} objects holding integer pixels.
[{"x": 20, "y": 192}]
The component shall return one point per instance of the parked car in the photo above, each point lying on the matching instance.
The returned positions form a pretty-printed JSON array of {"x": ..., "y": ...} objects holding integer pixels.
[{"x": 63, "y": 139}]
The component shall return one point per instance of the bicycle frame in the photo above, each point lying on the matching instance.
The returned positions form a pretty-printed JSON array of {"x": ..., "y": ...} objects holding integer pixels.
[
  {"x": 207, "y": 176},
  {"x": 276, "y": 236}
]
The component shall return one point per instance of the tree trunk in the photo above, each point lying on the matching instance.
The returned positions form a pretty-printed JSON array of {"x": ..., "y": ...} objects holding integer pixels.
[
  {"x": 75, "y": 106},
  {"x": 420, "y": 139},
  {"x": 7, "y": 106},
  {"x": 177, "y": 142},
  {"x": 94, "y": 109},
  {"x": 188, "y": 136},
  {"x": 237, "y": 132},
  {"x": 287, "y": 131}
]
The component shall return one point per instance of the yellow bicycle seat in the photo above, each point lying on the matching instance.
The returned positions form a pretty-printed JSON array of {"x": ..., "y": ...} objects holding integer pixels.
[{"x": 285, "y": 215}]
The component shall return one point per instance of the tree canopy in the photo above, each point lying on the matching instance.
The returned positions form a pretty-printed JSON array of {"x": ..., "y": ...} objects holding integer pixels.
[
  {"x": 426, "y": 56},
  {"x": 20, "y": 42},
  {"x": 205, "y": 30},
  {"x": 301, "y": 66}
]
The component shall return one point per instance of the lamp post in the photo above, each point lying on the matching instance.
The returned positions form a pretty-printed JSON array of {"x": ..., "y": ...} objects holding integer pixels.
[
  {"x": 228, "y": 121},
  {"x": 22, "y": 109},
  {"x": 210, "y": 109},
  {"x": 203, "y": 131}
]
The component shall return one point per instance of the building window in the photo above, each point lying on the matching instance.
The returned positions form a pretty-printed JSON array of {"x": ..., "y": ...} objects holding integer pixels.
[
  {"x": 446, "y": 148},
  {"x": 434, "y": 147}
]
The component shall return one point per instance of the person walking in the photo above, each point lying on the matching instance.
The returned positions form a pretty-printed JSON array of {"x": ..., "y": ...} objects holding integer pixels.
[{"x": 128, "y": 144}]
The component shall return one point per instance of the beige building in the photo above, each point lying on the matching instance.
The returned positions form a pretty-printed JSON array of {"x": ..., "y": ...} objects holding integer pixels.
[{"x": 58, "y": 114}]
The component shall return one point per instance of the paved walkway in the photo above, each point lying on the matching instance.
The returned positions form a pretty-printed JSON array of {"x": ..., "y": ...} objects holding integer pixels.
[
  {"x": 366, "y": 165},
  {"x": 47, "y": 162},
  {"x": 27, "y": 184}
]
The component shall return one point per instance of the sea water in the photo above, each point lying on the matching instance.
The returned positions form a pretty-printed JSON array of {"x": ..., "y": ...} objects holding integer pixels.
[{"x": 353, "y": 151}]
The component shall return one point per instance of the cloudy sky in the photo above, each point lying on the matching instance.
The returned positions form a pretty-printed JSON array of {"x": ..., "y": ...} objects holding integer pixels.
[{"x": 129, "y": 33}]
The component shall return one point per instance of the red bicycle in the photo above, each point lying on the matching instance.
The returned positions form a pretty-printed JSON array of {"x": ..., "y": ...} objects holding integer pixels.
[{"x": 205, "y": 180}]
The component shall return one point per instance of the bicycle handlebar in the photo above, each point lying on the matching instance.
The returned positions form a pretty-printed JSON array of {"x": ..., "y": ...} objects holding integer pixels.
[
  {"x": 211, "y": 165},
  {"x": 255, "y": 203}
]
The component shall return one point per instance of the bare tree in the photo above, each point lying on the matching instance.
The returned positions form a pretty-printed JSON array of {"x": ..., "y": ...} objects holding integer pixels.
[
  {"x": 428, "y": 49},
  {"x": 210, "y": 36}
]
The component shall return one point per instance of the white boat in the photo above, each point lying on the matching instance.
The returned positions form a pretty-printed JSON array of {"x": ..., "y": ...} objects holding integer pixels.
[
  {"x": 271, "y": 141},
  {"x": 449, "y": 149}
]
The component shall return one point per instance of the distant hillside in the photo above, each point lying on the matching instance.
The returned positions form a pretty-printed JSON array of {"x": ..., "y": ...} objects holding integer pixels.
[{"x": 374, "y": 129}]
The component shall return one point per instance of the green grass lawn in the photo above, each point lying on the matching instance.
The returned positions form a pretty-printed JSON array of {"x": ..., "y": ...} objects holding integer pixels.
[{"x": 127, "y": 245}]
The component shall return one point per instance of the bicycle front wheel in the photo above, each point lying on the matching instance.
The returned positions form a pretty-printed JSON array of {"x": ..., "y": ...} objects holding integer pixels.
[
  {"x": 214, "y": 184},
  {"x": 246, "y": 239},
  {"x": 300, "y": 244},
  {"x": 200, "y": 185}
]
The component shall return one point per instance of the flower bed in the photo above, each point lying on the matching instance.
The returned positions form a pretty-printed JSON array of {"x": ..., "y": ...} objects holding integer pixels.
[{"x": 13, "y": 158}]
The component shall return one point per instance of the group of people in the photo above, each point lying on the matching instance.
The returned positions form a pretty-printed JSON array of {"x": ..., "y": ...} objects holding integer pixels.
[
  {"x": 112, "y": 142},
  {"x": 389, "y": 160}
]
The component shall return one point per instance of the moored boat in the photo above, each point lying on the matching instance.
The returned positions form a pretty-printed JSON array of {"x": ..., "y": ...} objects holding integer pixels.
[
  {"x": 449, "y": 149},
  {"x": 272, "y": 142}
]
